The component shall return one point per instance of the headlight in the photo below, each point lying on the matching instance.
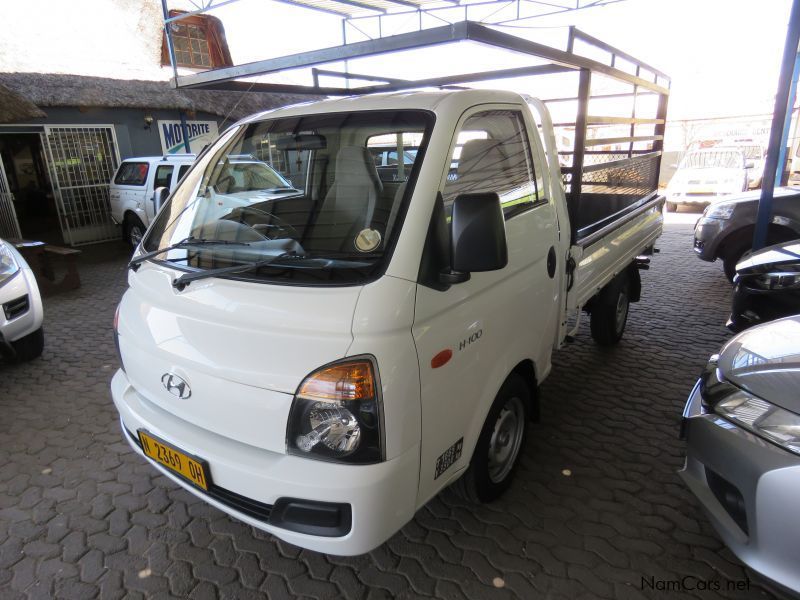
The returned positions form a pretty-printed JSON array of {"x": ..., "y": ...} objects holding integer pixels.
[
  {"x": 783, "y": 280},
  {"x": 720, "y": 211},
  {"x": 8, "y": 264},
  {"x": 337, "y": 414},
  {"x": 763, "y": 419}
]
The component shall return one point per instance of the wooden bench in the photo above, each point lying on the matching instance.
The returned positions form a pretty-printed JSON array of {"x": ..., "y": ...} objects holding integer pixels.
[
  {"x": 71, "y": 279},
  {"x": 41, "y": 257}
]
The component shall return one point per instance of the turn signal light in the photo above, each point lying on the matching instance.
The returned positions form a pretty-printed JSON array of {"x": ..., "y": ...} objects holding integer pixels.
[{"x": 340, "y": 383}]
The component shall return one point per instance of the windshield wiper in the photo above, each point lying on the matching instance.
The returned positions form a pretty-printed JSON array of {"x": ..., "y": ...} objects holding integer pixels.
[
  {"x": 189, "y": 242},
  {"x": 181, "y": 282}
]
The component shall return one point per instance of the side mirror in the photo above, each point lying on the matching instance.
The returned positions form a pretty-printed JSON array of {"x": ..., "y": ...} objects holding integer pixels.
[
  {"x": 477, "y": 236},
  {"x": 159, "y": 197}
]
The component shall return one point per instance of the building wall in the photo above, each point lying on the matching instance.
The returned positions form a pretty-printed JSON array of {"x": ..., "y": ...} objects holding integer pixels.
[
  {"x": 104, "y": 38},
  {"x": 133, "y": 139}
]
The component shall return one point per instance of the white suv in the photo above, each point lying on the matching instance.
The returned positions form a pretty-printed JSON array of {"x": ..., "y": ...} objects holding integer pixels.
[
  {"x": 21, "y": 313},
  {"x": 133, "y": 187}
]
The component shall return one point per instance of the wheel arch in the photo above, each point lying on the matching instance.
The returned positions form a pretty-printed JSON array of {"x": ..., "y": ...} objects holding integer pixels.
[
  {"x": 744, "y": 234},
  {"x": 527, "y": 370}
]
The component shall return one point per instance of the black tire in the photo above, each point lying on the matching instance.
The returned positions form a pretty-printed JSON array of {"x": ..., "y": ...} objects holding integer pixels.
[
  {"x": 486, "y": 479},
  {"x": 133, "y": 229},
  {"x": 671, "y": 206},
  {"x": 29, "y": 347},
  {"x": 732, "y": 257},
  {"x": 609, "y": 311}
]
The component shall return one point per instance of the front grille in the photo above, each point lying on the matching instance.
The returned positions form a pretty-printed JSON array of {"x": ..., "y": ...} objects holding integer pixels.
[
  {"x": 17, "y": 307},
  {"x": 246, "y": 506}
]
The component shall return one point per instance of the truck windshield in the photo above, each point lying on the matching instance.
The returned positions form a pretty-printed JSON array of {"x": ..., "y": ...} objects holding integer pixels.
[{"x": 317, "y": 184}]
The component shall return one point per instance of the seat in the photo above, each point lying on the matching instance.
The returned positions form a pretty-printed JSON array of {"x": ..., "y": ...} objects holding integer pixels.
[
  {"x": 349, "y": 205},
  {"x": 482, "y": 167}
]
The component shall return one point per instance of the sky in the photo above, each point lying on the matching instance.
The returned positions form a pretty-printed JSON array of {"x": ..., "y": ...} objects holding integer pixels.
[{"x": 723, "y": 55}]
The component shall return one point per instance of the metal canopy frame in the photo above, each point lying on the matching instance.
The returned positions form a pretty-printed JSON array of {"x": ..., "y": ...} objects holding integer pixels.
[
  {"x": 561, "y": 61},
  {"x": 615, "y": 180}
]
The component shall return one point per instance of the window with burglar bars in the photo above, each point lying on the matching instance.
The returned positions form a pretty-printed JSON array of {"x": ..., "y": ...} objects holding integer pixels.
[
  {"x": 191, "y": 45},
  {"x": 198, "y": 42},
  {"x": 82, "y": 161}
]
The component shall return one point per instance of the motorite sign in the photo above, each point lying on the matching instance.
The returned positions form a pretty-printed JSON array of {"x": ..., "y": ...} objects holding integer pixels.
[{"x": 199, "y": 133}]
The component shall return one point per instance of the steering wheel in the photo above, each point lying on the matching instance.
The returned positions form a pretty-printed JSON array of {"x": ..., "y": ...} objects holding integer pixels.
[{"x": 281, "y": 228}]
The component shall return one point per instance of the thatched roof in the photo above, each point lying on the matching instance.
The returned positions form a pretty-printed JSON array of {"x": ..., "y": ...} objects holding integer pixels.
[
  {"x": 45, "y": 89},
  {"x": 14, "y": 107}
]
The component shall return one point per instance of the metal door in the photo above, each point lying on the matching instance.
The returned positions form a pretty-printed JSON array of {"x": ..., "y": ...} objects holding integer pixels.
[
  {"x": 81, "y": 161},
  {"x": 9, "y": 226}
]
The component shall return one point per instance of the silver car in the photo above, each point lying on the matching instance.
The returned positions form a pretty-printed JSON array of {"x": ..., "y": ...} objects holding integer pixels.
[{"x": 742, "y": 427}]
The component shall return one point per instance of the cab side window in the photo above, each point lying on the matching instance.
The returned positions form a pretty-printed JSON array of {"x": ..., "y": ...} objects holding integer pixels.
[
  {"x": 163, "y": 176},
  {"x": 492, "y": 154},
  {"x": 182, "y": 171}
]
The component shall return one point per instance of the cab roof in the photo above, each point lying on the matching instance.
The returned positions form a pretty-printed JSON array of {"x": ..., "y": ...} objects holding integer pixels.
[{"x": 426, "y": 99}]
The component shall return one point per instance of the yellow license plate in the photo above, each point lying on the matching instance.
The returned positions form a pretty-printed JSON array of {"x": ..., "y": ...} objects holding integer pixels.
[{"x": 191, "y": 468}]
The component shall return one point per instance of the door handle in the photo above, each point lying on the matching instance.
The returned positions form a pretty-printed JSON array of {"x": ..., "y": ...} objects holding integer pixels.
[{"x": 551, "y": 262}]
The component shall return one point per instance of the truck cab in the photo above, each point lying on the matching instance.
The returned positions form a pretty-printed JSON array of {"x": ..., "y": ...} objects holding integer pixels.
[{"x": 132, "y": 189}]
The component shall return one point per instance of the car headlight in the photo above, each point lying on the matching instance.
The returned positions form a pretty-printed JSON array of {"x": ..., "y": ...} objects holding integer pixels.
[
  {"x": 337, "y": 414},
  {"x": 780, "y": 280},
  {"x": 763, "y": 419},
  {"x": 8, "y": 264},
  {"x": 720, "y": 211}
]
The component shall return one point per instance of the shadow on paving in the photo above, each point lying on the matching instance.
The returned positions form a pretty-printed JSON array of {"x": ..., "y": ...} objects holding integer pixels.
[{"x": 81, "y": 516}]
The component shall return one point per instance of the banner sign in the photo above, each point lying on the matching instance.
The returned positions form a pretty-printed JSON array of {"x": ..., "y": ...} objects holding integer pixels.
[{"x": 200, "y": 133}]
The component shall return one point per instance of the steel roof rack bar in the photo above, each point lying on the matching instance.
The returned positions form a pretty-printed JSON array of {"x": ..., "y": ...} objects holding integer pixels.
[{"x": 462, "y": 31}]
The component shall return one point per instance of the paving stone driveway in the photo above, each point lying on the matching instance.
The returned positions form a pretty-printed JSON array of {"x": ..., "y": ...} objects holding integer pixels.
[{"x": 596, "y": 506}]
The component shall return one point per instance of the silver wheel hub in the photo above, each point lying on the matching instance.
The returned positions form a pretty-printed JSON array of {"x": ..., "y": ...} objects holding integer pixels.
[
  {"x": 506, "y": 439},
  {"x": 622, "y": 310},
  {"x": 136, "y": 235}
]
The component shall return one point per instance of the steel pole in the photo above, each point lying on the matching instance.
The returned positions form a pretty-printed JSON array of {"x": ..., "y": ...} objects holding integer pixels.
[
  {"x": 787, "y": 123},
  {"x": 776, "y": 130}
]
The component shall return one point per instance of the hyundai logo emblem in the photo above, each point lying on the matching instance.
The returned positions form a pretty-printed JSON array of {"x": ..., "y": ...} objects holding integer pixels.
[{"x": 176, "y": 386}]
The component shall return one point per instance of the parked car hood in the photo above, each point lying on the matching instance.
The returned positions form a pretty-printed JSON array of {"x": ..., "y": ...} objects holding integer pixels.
[
  {"x": 765, "y": 361},
  {"x": 778, "y": 257},
  {"x": 754, "y": 196}
]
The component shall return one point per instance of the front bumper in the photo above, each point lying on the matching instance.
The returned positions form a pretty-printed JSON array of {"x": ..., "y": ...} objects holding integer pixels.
[
  {"x": 381, "y": 497},
  {"x": 749, "y": 489},
  {"x": 751, "y": 307},
  {"x": 707, "y": 233},
  {"x": 22, "y": 318}
]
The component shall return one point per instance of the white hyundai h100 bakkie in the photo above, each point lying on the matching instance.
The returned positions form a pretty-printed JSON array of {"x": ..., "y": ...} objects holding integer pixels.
[{"x": 321, "y": 357}]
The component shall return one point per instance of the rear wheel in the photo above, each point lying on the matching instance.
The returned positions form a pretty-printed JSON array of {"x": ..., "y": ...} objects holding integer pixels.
[
  {"x": 502, "y": 438},
  {"x": 609, "y": 311},
  {"x": 29, "y": 347},
  {"x": 133, "y": 230}
]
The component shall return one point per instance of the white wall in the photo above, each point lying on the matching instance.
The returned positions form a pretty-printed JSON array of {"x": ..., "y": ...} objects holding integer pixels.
[{"x": 105, "y": 38}]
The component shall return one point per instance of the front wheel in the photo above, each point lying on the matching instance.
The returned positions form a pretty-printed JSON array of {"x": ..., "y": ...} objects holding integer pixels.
[
  {"x": 29, "y": 347},
  {"x": 609, "y": 311},
  {"x": 502, "y": 438},
  {"x": 134, "y": 231}
]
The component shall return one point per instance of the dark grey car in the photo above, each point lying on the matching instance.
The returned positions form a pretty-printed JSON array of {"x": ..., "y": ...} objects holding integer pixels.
[
  {"x": 742, "y": 426},
  {"x": 725, "y": 230}
]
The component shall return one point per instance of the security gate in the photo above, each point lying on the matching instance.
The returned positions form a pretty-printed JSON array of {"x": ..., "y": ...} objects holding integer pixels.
[
  {"x": 9, "y": 226},
  {"x": 81, "y": 162}
]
